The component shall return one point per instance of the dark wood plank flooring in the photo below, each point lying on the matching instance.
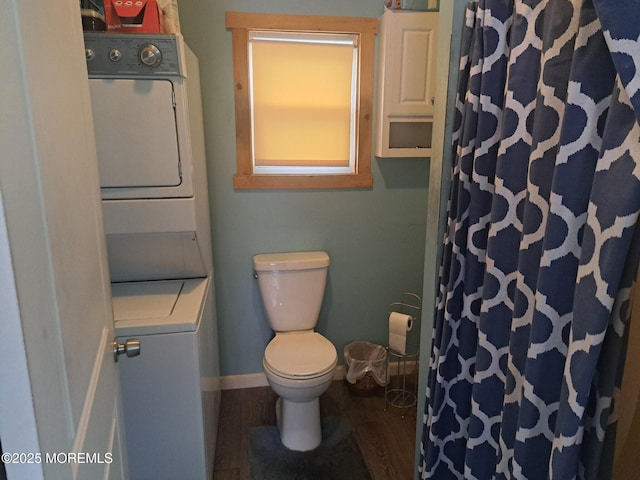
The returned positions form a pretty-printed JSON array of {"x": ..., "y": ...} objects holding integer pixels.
[{"x": 386, "y": 441}]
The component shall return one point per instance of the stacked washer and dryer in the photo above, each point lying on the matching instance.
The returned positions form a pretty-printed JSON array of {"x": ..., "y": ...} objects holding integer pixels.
[{"x": 145, "y": 94}]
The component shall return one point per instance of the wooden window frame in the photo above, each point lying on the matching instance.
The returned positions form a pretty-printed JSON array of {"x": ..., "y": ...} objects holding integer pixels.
[{"x": 240, "y": 23}]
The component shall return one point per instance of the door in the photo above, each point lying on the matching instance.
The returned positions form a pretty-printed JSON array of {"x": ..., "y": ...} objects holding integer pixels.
[
  {"x": 413, "y": 39},
  {"x": 136, "y": 132},
  {"x": 59, "y": 405},
  {"x": 406, "y": 96}
]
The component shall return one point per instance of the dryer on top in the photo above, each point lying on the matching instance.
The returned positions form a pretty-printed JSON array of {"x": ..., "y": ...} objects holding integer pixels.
[{"x": 141, "y": 115}]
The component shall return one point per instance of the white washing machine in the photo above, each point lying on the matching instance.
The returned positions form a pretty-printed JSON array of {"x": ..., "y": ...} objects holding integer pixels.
[
  {"x": 147, "y": 112},
  {"x": 162, "y": 399}
]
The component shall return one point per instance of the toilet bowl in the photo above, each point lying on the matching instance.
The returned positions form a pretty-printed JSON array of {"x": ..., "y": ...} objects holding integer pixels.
[
  {"x": 299, "y": 368},
  {"x": 299, "y": 363}
]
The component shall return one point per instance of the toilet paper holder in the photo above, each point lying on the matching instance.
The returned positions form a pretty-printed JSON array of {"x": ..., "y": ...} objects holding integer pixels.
[
  {"x": 409, "y": 306},
  {"x": 400, "y": 395},
  {"x": 408, "y": 302}
]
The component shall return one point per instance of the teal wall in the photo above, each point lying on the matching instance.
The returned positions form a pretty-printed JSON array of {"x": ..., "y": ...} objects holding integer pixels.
[{"x": 375, "y": 237}]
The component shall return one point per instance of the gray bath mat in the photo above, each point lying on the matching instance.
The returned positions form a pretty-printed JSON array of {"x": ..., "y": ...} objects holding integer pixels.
[{"x": 337, "y": 457}]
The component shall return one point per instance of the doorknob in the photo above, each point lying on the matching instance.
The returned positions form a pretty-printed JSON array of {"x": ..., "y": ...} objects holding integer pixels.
[{"x": 130, "y": 348}]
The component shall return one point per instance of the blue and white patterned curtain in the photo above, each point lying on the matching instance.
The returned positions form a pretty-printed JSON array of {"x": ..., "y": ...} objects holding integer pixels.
[{"x": 540, "y": 250}]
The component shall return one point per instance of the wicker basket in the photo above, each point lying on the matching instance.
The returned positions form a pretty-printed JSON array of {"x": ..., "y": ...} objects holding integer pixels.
[{"x": 364, "y": 387}]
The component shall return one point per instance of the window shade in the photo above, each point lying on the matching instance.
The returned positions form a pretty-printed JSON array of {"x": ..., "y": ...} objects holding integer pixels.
[{"x": 303, "y": 90}]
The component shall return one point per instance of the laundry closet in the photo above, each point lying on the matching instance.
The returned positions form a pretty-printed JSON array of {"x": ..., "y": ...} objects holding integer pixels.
[{"x": 145, "y": 94}]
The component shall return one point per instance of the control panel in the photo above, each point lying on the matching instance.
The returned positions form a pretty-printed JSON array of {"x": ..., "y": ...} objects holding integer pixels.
[{"x": 131, "y": 54}]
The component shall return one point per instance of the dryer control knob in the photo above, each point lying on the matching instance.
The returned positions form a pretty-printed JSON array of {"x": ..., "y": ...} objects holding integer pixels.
[
  {"x": 115, "y": 55},
  {"x": 150, "y": 55}
]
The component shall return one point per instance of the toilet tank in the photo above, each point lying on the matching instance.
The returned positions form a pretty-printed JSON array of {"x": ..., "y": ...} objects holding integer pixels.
[{"x": 292, "y": 288}]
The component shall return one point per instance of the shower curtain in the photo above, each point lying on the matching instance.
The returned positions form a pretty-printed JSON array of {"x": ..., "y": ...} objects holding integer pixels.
[{"x": 540, "y": 249}]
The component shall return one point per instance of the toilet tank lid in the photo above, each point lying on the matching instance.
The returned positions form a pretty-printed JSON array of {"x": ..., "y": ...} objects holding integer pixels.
[{"x": 290, "y": 261}]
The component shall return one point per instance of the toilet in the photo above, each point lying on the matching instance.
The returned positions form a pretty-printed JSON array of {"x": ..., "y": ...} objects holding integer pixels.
[{"x": 299, "y": 363}]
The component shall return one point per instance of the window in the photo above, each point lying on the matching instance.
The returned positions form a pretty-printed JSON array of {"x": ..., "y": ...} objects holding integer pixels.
[
  {"x": 303, "y": 96},
  {"x": 303, "y": 92}
]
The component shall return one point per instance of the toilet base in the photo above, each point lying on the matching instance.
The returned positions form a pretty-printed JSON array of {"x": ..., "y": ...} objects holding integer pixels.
[{"x": 299, "y": 424}]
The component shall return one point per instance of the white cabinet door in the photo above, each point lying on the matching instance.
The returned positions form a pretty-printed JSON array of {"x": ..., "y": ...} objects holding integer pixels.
[
  {"x": 411, "y": 54},
  {"x": 406, "y": 83}
]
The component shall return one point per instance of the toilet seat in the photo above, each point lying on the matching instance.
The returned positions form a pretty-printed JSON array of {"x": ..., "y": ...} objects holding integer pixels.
[{"x": 300, "y": 355}]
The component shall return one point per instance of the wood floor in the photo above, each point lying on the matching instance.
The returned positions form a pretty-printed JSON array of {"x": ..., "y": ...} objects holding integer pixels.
[{"x": 386, "y": 441}]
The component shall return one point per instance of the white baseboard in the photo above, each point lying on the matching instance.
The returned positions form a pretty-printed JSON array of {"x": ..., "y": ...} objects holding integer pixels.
[{"x": 251, "y": 380}]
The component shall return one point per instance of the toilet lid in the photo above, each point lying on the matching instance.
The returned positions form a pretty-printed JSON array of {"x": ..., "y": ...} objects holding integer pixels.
[{"x": 300, "y": 355}]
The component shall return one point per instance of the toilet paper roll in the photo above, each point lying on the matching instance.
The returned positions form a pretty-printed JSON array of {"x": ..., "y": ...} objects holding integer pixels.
[{"x": 399, "y": 325}]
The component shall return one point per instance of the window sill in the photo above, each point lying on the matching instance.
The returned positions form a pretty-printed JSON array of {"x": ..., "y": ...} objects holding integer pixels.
[{"x": 294, "y": 182}]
